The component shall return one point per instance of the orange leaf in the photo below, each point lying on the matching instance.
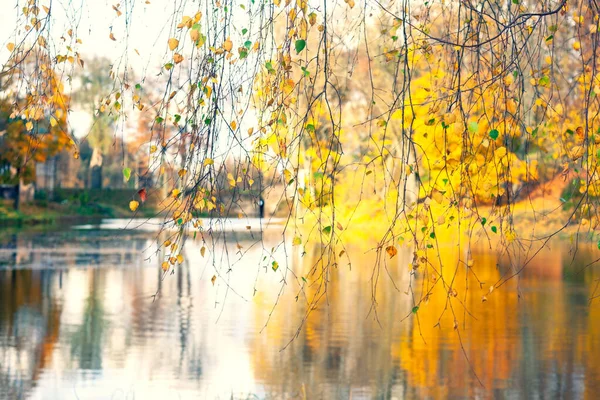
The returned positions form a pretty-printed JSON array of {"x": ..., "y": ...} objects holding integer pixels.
[
  {"x": 392, "y": 251},
  {"x": 143, "y": 194}
]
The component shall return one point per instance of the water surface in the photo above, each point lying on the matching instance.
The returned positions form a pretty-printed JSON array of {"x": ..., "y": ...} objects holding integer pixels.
[{"x": 86, "y": 313}]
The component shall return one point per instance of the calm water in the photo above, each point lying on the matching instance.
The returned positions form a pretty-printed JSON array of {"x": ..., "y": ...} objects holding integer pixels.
[{"x": 78, "y": 320}]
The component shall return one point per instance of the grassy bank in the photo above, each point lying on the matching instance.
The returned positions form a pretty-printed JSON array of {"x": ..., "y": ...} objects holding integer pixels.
[{"x": 74, "y": 205}]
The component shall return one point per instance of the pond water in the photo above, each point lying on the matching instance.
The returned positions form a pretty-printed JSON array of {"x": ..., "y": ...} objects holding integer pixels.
[{"x": 86, "y": 313}]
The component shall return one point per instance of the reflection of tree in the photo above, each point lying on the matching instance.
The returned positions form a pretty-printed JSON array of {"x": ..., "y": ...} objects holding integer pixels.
[
  {"x": 87, "y": 341},
  {"x": 34, "y": 324}
]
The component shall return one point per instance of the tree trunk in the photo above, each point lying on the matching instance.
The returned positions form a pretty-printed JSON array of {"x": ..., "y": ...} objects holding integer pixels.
[
  {"x": 18, "y": 194},
  {"x": 96, "y": 169}
]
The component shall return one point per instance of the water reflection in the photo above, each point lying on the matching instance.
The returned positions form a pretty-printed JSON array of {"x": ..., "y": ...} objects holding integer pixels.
[{"x": 78, "y": 320}]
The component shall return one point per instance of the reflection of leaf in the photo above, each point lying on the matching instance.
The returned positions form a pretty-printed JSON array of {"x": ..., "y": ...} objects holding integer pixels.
[{"x": 391, "y": 250}]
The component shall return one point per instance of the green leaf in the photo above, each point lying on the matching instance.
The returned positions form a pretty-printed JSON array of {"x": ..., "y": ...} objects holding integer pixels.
[
  {"x": 304, "y": 279},
  {"x": 432, "y": 235},
  {"x": 494, "y": 229},
  {"x": 494, "y": 134},
  {"x": 305, "y": 72},
  {"x": 177, "y": 118},
  {"x": 415, "y": 309},
  {"x": 269, "y": 67},
  {"x": 598, "y": 244},
  {"x": 138, "y": 86},
  {"x": 310, "y": 128},
  {"x": 244, "y": 31},
  {"x": 473, "y": 127},
  {"x": 248, "y": 44},
  {"x": 544, "y": 81},
  {"x": 126, "y": 174},
  {"x": 327, "y": 230},
  {"x": 300, "y": 45},
  {"x": 275, "y": 265},
  {"x": 483, "y": 221}
]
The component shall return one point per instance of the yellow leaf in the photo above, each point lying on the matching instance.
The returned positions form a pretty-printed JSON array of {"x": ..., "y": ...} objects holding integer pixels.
[
  {"x": 177, "y": 58},
  {"x": 297, "y": 241},
  {"x": 186, "y": 21},
  {"x": 228, "y": 45},
  {"x": 133, "y": 205},
  {"x": 250, "y": 131},
  {"x": 180, "y": 259},
  {"x": 173, "y": 43},
  {"x": 577, "y": 152},
  {"x": 250, "y": 182},
  {"x": 167, "y": 243},
  {"x": 175, "y": 192},
  {"x": 202, "y": 251},
  {"x": 153, "y": 149},
  {"x": 53, "y": 121},
  {"x": 233, "y": 125},
  {"x": 213, "y": 279},
  {"x": 165, "y": 266},
  {"x": 112, "y": 37},
  {"x": 29, "y": 125},
  {"x": 576, "y": 46},
  {"x": 208, "y": 161},
  {"x": 391, "y": 250},
  {"x": 182, "y": 173},
  {"x": 10, "y": 47},
  {"x": 437, "y": 196}
]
